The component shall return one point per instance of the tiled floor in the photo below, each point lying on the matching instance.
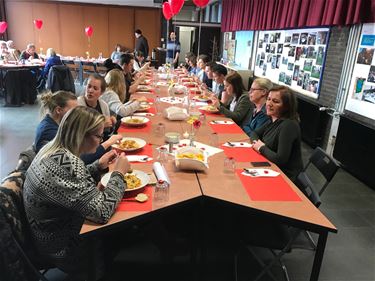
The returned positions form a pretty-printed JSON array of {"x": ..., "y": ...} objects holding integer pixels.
[{"x": 350, "y": 205}]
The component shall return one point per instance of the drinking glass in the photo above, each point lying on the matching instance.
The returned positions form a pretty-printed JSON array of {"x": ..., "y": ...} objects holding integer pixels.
[
  {"x": 229, "y": 165},
  {"x": 160, "y": 129},
  {"x": 163, "y": 155},
  {"x": 214, "y": 139}
]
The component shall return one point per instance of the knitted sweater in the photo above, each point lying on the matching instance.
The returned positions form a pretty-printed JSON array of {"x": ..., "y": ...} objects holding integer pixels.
[{"x": 59, "y": 194}]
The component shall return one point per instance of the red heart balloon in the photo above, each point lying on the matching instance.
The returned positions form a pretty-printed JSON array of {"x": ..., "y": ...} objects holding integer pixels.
[
  {"x": 167, "y": 11},
  {"x": 3, "y": 26},
  {"x": 89, "y": 31},
  {"x": 176, "y": 6},
  {"x": 38, "y": 23},
  {"x": 201, "y": 3}
]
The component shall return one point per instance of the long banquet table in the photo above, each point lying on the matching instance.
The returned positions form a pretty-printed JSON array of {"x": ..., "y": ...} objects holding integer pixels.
[{"x": 217, "y": 184}]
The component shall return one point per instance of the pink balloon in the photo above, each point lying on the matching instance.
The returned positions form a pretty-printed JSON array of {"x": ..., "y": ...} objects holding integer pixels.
[
  {"x": 201, "y": 3},
  {"x": 3, "y": 26},
  {"x": 38, "y": 23},
  {"x": 89, "y": 31},
  {"x": 176, "y": 6},
  {"x": 167, "y": 11}
]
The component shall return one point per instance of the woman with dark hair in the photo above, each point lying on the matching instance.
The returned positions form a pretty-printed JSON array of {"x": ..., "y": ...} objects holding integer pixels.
[
  {"x": 280, "y": 139},
  {"x": 234, "y": 102},
  {"x": 116, "y": 54}
]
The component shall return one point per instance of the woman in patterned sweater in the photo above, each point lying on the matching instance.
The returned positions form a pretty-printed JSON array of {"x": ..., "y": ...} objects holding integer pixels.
[{"x": 60, "y": 192}]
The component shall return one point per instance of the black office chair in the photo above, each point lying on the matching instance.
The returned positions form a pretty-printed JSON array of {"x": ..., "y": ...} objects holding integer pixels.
[
  {"x": 327, "y": 167},
  {"x": 274, "y": 237},
  {"x": 73, "y": 67},
  {"x": 324, "y": 163},
  {"x": 60, "y": 78}
]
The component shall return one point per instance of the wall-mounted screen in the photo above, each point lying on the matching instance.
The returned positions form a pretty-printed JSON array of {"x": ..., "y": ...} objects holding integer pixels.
[
  {"x": 293, "y": 57},
  {"x": 361, "y": 96},
  {"x": 244, "y": 46}
]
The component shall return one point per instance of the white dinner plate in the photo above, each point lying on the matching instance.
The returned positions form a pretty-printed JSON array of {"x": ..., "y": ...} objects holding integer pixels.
[
  {"x": 145, "y": 179},
  {"x": 141, "y": 143},
  {"x": 129, "y": 121}
]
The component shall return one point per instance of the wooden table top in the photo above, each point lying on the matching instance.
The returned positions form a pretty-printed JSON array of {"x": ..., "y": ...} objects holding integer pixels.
[{"x": 216, "y": 183}]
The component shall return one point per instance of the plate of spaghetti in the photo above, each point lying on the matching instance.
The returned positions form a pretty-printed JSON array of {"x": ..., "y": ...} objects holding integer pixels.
[
  {"x": 135, "y": 180},
  {"x": 129, "y": 144}
]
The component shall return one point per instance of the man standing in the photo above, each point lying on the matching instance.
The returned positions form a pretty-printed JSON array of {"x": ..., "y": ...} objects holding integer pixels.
[
  {"x": 173, "y": 49},
  {"x": 141, "y": 43}
]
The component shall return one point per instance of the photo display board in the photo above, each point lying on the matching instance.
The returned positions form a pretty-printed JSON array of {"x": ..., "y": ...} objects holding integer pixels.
[
  {"x": 229, "y": 48},
  {"x": 361, "y": 96},
  {"x": 293, "y": 57}
]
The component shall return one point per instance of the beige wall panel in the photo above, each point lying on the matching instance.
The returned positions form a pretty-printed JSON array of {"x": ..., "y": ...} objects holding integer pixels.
[
  {"x": 72, "y": 33},
  {"x": 64, "y": 26},
  {"x": 97, "y": 17},
  {"x": 20, "y": 23},
  {"x": 49, "y": 35},
  {"x": 150, "y": 27},
  {"x": 121, "y": 22}
]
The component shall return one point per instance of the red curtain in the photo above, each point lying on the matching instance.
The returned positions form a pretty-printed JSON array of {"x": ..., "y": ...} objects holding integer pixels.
[{"x": 283, "y": 14}]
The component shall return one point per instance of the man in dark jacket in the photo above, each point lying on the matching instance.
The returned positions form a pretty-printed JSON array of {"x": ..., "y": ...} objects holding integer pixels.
[{"x": 141, "y": 43}]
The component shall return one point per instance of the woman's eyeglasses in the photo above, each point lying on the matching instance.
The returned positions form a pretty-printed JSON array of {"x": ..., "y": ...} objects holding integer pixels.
[
  {"x": 255, "y": 89},
  {"x": 100, "y": 137}
]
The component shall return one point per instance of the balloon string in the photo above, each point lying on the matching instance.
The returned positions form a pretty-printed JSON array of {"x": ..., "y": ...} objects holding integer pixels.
[
  {"x": 200, "y": 27},
  {"x": 166, "y": 42}
]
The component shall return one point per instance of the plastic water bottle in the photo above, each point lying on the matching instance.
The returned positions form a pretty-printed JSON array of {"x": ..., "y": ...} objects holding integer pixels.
[{"x": 161, "y": 192}]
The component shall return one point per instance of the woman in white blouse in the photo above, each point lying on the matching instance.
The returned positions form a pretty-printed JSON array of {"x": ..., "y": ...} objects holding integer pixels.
[{"x": 114, "y": 95}]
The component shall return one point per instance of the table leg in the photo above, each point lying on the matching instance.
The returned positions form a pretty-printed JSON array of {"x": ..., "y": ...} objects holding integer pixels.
[{"x": 319, "y": 256}]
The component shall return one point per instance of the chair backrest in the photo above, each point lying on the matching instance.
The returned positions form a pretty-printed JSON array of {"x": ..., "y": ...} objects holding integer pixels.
[
  {"x": 60, "y": 78},
  {"x": 325, "y": 164},
  {"x": 307, "y": 187}
]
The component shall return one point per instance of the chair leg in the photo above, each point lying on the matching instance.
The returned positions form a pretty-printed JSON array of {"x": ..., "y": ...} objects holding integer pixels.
[
  {"x": 236, "y": 258},
  {"x": 283, "y": 266},
  {"x": 310, "y": 239}
]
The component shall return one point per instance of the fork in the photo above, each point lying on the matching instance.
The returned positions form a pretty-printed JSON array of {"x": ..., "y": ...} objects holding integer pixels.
[{"x": 231, "y": 144}]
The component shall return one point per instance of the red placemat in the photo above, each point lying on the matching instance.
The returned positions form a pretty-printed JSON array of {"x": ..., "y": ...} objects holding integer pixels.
[
  {"x": 146, "y": 150},
  {"x": 143, "y": 129},
  {"x": 127, "y": 204},
  {"x": 267, "y": 189},
  {"x": 243, "y": 154},
  {"x": 226, "y": 129}
]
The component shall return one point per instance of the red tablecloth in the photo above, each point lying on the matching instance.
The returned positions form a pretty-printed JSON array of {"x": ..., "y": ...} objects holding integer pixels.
[
  {"x": 226, "y": 129},
  {"x": 267, "y": 188},
  {"x": 243, "y": 154},
  {"x": 130, "y": 205}
]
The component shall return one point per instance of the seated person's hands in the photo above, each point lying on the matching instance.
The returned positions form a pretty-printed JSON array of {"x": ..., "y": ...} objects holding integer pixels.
[
  {"x": 257, "y": 144},
  {"x": 225, "y": 98},
  {"x": 112, "y": 140},
  {"x": 107, "y": 159},
  {"x": 140, "y": 99},
  {"x": 108, "y": 122},
  {"x": 122, "y": 164},
  {"x": 215, "y": 101}
]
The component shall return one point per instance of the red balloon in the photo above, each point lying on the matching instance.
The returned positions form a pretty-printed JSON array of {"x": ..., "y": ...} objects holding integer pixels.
[
  {"x": 176, "y": 6},
  {"x": 167, "y": 11},
  {"x": 3, "y": 26},
  {"x": 201, "y": 3},
  {"x": 38, "y": 23},
  {"x": 89, "y": 31}
]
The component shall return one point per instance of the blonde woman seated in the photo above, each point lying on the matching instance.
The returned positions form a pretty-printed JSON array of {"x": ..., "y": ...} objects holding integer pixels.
[
  {"x": 258, "y": 95},
  {"x": 114, "y": 95},
  {"x": 60, "y": 192},
  {"x": 234, "y": 103}
]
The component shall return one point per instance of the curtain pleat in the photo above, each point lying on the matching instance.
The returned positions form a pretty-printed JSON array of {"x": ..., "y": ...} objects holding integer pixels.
[{"x": 283, "y": 14}]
